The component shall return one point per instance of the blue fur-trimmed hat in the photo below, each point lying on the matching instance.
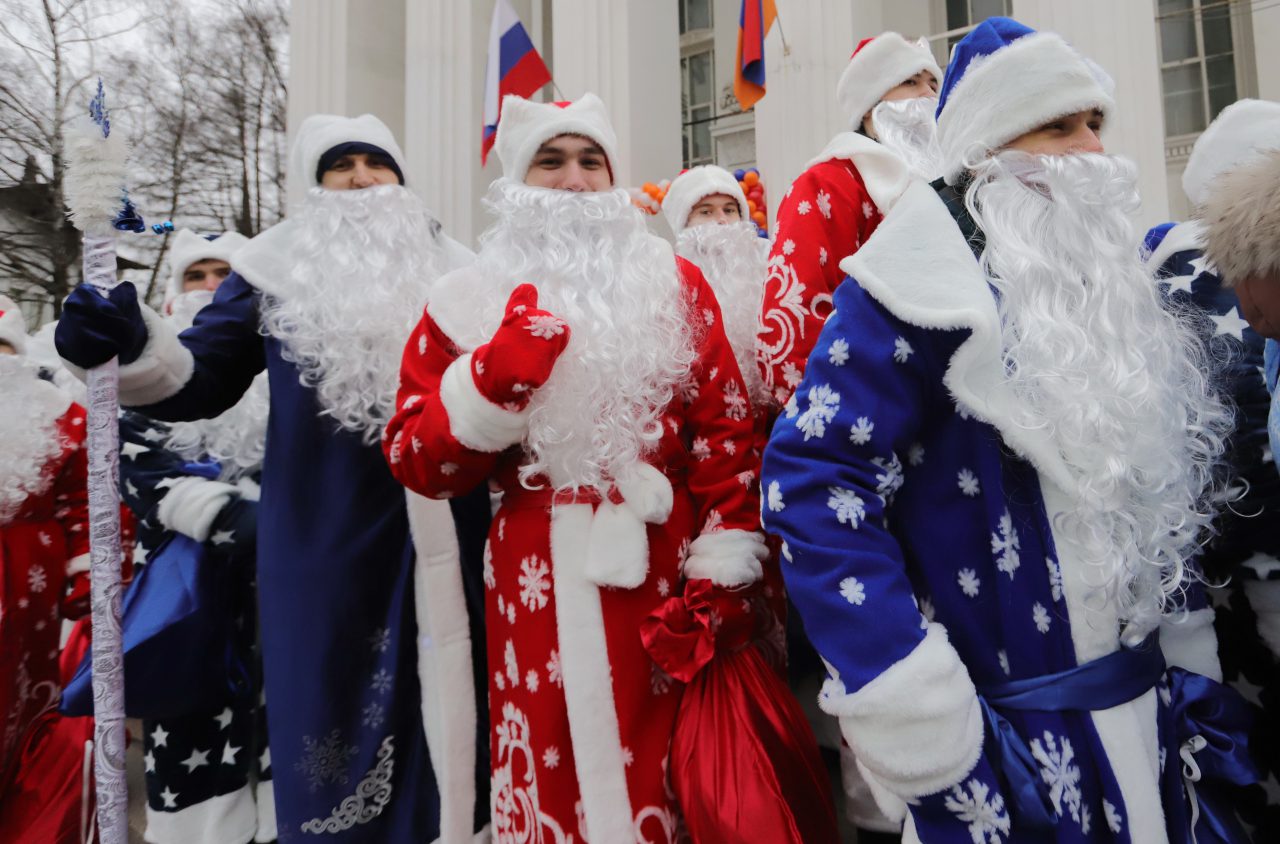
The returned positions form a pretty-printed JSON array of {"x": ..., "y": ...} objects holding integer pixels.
[{"x": 1004, "y": 80}]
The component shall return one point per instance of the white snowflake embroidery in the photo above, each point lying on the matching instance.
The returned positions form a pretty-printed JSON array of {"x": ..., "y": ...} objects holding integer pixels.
[
  {"x": 735, "y": 403},
  {"x": 531, "y": 680},
  {"x": 786, "y": 552},
  {"x": 868, "y": 210},
  {"x": 545, "y": 326},
  {"x": 902, "y": 350},
  {"x": 511, "y": 613},
  {"x": 324, "y": 760},
  {"x": 860, "y": 431},
  {"x": 553, "y": 669},
  {"x": 513, "y": 670},
  {"x": 803, "y": 207},
  {"x": 37, "y": 580},
  {"x": 889, "y": 478},
  {"x": 788, "y": 246},
  {"x": 824, "y": 204},
  {"x": 1114, "y": 821},
  {"x": 664, "y": 587},
  {"x": 551, "y": 757},
  {"x": 410, "y": 401},
  {"x": 791, "y": 408},
  {"x": 628, "y": 757},
  {"x": 709, "y": 317},
  {"x": 1004, "y": 662},
  {"x": 915, "y": 454},
  {"x": 848, "y": 507},
  {"x": 1004, "y": 544},
  {"x": 714, "y": 522},
  {"x": 987, "y": 819},
  {"x": 534, "y": 583},
  {"x": 1055, "y": 578},
  {"x": 824, "y": 403},
  {"x": 701, "y": 448},
  {"x": 381, "y": 681},
  {"x": 776, "y": 504},
  {"x": 730, "y": 447},
  {"x": 746, "y": 478},
  {"x": 381, "y": 640},
  {"x": 1060, "y": 773},
  {"x": 969, "y": 582},
  {"x": 968, "y": 482},
  {"x": 822, "y": 256},
  {"x": 791, "y": 374},
  {"x": 838, "y": 352},
  {"x": 852, "y": 590},
  {"x": 1040, "y": 616},
  {"x": 422, "y": 344},
  {"x": 447, "y": 469},
  {"x": 373, "y": 715}
]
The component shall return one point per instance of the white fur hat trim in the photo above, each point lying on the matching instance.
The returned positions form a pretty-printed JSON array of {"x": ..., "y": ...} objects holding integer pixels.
[
  {"x": 696, "y": 184},
  {"x": 526, "y": 125},
  {"x": 1241, "y": 132},
  {"x": 881, "y": 65}
]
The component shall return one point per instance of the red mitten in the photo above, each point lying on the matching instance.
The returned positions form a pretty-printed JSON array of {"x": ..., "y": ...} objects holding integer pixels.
[{"x": 524, "y": 349}]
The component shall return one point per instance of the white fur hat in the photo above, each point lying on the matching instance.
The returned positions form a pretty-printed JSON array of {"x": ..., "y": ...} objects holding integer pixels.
[
  {"x": 694, "y": 185},
  {"x": 1006, "y": 79},
  {"x": 526, "y": 125},
  {"x": 13, "y": 326},
  {"x": 320, "y": 133},
  {"x": 1242, "y": 132},
  {"x": 877, "y": 66},
  {"x": 189, "y": 247}
]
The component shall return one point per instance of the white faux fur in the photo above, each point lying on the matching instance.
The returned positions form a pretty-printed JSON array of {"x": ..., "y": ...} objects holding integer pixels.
[
  {"x": 190, "y": 248},
  {"x": 916, "y": 728},
  {"x": 474, "y": 421},
  {"x": 696, "y": 184},
  {"x": 935, "y": 283},
  {"x": 320, "y": 133},
  {"x": 163, "y": 368},
  {"x": 727, "y": 557},
  {"x": 444, "y": 663},
  {"x": 266, "y": 800},
  {"x": 77, "y": 564},
  {"x": 588, "y": 681},
  {"x": 647, "y": 492},
  {"x": 221, "y": 819},
  {"x": 1180, "y": 238},
  {"x": 617, "y": 547},
  {"x": 13, "y": 326},
  {"x": 94, "y": 175},
  {"x": 862, "y": 798},
  {"x": 1014, "y": 90},
  {"x": 191, "y": 505},
  {"x": 1241, "y": 214},
  {"x": 527, "y": 125},
  {"x": 1240, "y": 132},
  {"x": 884, "y": 174},
  {"x": 878, "y": 68},
  {"x": 1189, "y": 642}
]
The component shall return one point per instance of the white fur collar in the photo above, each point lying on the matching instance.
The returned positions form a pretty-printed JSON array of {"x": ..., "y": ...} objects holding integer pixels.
[
  {"x": 1180, "y": 238},
  {"x": 919, "y": 267},
  {"x": 266, "y": 260},
  {"x": 885, "y": 175}
]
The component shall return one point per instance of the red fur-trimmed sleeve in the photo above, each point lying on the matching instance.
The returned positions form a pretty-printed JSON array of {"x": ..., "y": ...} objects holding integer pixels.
[
  {"x": 723, "y": 473},
  {"x": 445, "y": 437},
  {"x": 826, "y": 216}
]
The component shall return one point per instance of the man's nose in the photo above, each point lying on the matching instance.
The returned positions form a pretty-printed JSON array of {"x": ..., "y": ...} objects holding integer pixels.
[
  {"x": 211, "y": 281},
  {"x": 575, "y": 178},
  {"x": 1087, "y": 140},
  {"x": 361, "y": 176}
]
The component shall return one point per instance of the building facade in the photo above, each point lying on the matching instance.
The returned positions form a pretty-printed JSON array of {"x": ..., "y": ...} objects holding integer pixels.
[{"x": 665, "y": 68}]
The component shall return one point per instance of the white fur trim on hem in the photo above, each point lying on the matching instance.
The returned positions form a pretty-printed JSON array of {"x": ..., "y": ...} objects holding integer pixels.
[
  {"x": 474, "y": 421},
  {"x": 618, "y": 545},
  {"x": 267, "y": 829},
  {"x": 727, "y": 557},
  {"x": 917, "y": 728},
  {"x": 883, "y": 173},
  {"x": 444, "y": 663},
  {"x": 588, "y": 681},
  {"x": 1189, "y": 642},
  {"x": 163, "y": 368},
  {"x": 191, "y": 505},
  {"x": 1012, "y": 91},
  {"x": 224, "y": 819}
]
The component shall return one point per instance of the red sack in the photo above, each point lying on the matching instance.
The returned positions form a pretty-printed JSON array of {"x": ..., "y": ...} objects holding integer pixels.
[{"x": 744, "y": 762}]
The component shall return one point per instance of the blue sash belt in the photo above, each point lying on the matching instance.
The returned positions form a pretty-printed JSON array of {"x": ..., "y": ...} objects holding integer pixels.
[{"x": 1209, "y": 718}]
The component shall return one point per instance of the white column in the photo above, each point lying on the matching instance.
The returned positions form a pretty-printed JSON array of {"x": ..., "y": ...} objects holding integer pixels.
[
  {"x": 799, "y": 113},
  {"x": 1122, "y": 38},
  {"x": 627, "y": 52},
  {"x": 1266, "y": 29},
  {"x": 345, "y": 59}
]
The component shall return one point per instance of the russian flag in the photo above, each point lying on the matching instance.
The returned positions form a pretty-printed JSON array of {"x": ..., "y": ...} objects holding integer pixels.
[
  {"x": 514, "y": 68},
  {"x": 754, "y": 21}
]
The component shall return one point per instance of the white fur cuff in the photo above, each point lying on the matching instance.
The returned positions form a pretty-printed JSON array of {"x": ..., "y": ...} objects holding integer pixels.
[
  {"x": 162, "y": 369},
  {"x": 192, "y": 504},
  {"x": 917, "y": 728},
  {"x": 1189, "y": 642},
  {"x": 727, "y": 557},
  {"x": 474, "y": 421},
  {"x": 77, "y": 564}
]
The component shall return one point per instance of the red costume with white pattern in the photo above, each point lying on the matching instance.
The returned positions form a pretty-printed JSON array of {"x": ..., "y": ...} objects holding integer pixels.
[{"x": 574, "y": 698}]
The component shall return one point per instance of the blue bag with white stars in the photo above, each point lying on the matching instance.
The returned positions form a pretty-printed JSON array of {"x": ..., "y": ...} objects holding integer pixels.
[{"x": 180, "y": 654}]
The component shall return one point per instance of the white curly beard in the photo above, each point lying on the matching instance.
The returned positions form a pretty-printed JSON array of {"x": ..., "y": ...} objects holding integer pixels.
[
  {"x": 363, "y": 265},
  {"x": 29, "y": 438},
  {"x": 734, "y": 259},
  {"x": 908, "y": 128},
  {"x": 1121, "y": 383},
  {"x": 630, "y": 347}
]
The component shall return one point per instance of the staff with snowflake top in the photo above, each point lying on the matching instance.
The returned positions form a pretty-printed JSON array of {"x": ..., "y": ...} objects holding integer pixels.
[{"x": 992, "y": 481}]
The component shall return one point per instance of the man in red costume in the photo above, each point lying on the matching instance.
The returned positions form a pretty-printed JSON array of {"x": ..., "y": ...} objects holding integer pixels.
[
  {"x": 888, "y": 91},
  {"x": 582, "y": 369}
]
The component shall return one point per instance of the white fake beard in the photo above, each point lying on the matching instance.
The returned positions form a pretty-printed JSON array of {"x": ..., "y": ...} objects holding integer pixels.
[
  {"x": 630, "y": 345},
  {"x": 29, "y": 438},
  {"x": 363, "y": 265},
  {"x": 1120, "y": 383},
  {"x": 185, "y": 306},
  {"x": 734, "y": 259},
  {"x": 236, "y": 438},
  {"x": 908, "y": 129}
]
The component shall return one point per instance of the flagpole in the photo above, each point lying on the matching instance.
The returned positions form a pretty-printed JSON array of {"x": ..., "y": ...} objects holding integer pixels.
[
  {"x": 777, "y": 18},
  {"x": 95, "y": 166}
]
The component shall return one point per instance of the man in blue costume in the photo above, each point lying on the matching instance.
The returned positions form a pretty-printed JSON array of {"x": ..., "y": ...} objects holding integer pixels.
[
  {"x": 994, "y": 474},
  {"x": 365, "y": 633}
]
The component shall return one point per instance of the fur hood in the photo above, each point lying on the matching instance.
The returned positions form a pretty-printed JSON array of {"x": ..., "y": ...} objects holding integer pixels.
[{"x": 1241, "y": 216}]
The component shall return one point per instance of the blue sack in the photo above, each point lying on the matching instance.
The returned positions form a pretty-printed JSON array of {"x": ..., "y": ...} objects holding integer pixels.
[{"x": 180, "y": 652}]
